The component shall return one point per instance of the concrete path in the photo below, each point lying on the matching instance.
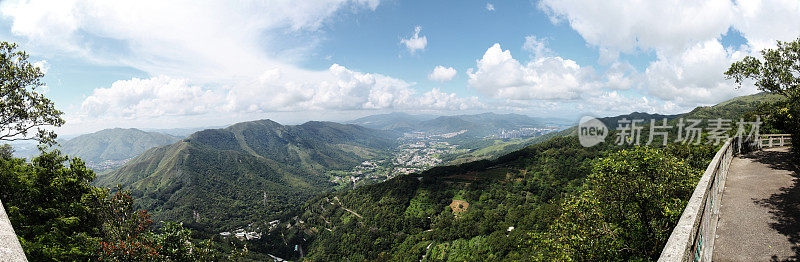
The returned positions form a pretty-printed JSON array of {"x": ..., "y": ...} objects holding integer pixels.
[{"x": 760, "y": 212}]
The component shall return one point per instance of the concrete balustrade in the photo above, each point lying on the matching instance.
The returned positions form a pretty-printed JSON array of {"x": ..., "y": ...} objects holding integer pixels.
[
  {"x": 692, "y": 239},
  {"x": 774, "y": 140},
  {"x": 10, "y": 249}
]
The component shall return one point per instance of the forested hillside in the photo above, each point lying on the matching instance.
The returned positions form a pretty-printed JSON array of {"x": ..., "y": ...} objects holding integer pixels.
[
  {"x": 554, "y": 200},
  {"x": 514, "y": 207},
  {"x": 223, "y": 178}
]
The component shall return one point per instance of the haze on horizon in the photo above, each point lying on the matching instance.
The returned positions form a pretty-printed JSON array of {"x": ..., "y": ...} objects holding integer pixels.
[{"x": 155, "y": 64}]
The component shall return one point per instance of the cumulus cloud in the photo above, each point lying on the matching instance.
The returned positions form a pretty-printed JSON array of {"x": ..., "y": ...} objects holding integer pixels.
[
  {"x": 442, "y": 74},
  {"x": 625, "y": 26},
  {"x": 415, "y": 43},
  {"x": 499, "y": 75},
  {"x": 277, "y": 89},
  {"x": 763, "y": 22},
  {"x": 695, "y": 76},
  {"x": 338, "y": 88},
  {"x": 490, "y": 7},
  {"x": 147, "y": 98},
  {"x": 685, "y": 38},
  {"x": 621, "y": 76}
]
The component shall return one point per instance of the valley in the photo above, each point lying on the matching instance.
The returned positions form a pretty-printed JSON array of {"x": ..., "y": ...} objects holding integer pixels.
[{"x": 418, "y": 150}]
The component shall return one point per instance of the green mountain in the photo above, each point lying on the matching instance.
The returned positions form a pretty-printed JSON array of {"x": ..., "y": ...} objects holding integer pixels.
[
  {"x": 218, "y": 179},
  {"x": 612, "y": 122},
  {"x": 733, "y": 108},
  {"x": 531, "y": 204},
  {"x": 109, "y": 148}
]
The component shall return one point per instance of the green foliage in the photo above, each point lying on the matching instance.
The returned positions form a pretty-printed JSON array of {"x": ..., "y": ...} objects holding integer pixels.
[
  {"x": 22, "y": 109},
  {"x": 58, "y": 216},
  {"x": 633, "y": 201},
  {"x": 51, "y": 206},
  {"x": 6, "y": 151},
  {"x": 130, "y": 236}
]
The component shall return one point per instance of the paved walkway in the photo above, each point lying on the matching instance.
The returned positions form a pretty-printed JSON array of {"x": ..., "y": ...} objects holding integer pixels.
[{"x": 760, "y": 212}]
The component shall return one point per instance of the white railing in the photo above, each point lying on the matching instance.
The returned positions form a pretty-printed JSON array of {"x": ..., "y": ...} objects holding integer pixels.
[
  {"x": 693, "y": 237},
  {"x": 774, "y": 140},
  {"x": 10, "y": 249}
]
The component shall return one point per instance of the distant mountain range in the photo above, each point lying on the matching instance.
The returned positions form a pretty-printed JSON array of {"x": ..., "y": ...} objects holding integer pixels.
[
  {"x": 180, "y": 132},
  {"x": 613, "y": 121},
  {"x": 219, "y": 178},
  {"x": 110, "y": 147},
  {"x": 104, "y": 149},
  {"x": 479, "y": 125}
]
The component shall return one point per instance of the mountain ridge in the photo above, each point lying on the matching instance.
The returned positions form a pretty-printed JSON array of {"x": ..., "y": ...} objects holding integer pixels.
[{"x": 255, "y": 170}]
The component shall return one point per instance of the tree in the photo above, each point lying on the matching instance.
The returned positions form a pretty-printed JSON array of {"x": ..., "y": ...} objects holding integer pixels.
[
  {"x": 778, "y": 71},
  {"x": 6, "y": 151},
  {"x": 50, "y": 206},
  {"x": 22, "y": 109},
  {"x": 634, "y": 199}
]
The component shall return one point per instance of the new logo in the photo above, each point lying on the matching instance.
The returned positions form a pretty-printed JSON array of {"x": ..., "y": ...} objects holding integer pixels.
[{"x": 591, "y": 131}]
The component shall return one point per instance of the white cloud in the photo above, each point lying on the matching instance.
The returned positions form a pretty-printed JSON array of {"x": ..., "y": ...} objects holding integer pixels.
[
  {"x": 537, "y": 47},
  {"x": 499, "y": 75},
  {"x": 610, "y": 103},
  {"x": 763, "y": 22},
  {"x": 684, "y": 36},
  {"x": 625, "y": 26},
  {"x": 278, "y": 89},
  {"x": 490, "y": 7},
  {"x": 337, "y": 88},
  {"x": 415, "y": 43},
  {"x": 210, "y": 41},
  {"x": 148, "y": 98},
  {"x": 42, "y": 65},
  {"x": 671, "y": 27},
  {"x": 442, "y": 74},
  {"x": 621, "y": 76},
  {"x": 212, "y": 58},
  {"x": 695, "y": 76}
]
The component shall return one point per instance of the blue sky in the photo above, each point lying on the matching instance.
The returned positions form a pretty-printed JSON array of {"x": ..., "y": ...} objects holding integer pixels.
[{"x": 151, "y": 64}]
